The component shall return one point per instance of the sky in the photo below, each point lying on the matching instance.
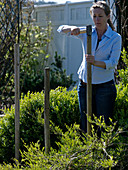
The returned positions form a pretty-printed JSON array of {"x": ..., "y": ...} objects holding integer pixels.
[{"x": 63, "y": 1}]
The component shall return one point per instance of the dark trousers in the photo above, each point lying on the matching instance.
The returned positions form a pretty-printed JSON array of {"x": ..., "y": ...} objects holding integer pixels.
[{"x": 103, "y": 99}]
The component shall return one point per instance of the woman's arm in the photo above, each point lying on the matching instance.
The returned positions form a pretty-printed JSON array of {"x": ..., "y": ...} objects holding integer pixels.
[
  {"x": 100, "y": 64},
  {"x": 115, "y": 53},
  {"x": 71, "y": 29},
  {"x": 91, "y": 59}
]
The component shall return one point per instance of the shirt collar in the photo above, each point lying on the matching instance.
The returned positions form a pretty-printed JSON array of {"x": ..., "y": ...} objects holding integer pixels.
[{"x": 108, "y": 33}]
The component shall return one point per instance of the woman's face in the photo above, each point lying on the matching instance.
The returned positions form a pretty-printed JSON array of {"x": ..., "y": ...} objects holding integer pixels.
[{"x": 100, "y": 18}]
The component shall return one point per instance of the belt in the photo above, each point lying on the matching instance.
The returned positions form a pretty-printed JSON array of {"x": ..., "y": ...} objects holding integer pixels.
[{"x": 83, "y": 83}]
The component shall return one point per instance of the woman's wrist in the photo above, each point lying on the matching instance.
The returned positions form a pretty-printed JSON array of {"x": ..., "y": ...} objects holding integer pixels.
[
  {"x": 99, "y": 64},
  {"x": 94, "y": 63}
]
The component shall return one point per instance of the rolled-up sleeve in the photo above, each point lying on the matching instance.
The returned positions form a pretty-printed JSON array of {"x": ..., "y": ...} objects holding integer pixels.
[
  {"x": 60, "y": 28},
  {"x": 112, "y": 62}
]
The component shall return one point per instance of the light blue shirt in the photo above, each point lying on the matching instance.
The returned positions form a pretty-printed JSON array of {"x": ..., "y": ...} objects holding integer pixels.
[{"x": 108, "y": 50}]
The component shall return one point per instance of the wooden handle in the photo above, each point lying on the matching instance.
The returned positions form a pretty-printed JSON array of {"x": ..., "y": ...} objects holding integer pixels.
[
  {"x": 82, "y": 31},
  {"x": 89, "y": 80}
]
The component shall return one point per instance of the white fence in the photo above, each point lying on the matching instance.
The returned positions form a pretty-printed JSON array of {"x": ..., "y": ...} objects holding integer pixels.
[{"x": 71, "y": 14}]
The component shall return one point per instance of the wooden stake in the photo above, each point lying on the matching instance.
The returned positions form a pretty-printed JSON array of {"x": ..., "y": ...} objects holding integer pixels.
[
  {"x": 46, "y": 109},
  {"x": 17, "y": 98},
  {"x": 89, "y": 80}
]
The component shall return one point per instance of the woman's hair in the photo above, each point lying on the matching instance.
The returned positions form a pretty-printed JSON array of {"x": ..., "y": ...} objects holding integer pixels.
[{"x": 103, "y": 5}]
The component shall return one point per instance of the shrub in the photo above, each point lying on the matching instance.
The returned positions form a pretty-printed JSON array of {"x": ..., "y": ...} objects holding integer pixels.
[
  {"x": 76, "y": 151},
  {"x": 63, "y": 110},
  {"x": 123, "y": 73},
  {"x": 34, "y": 55},
  {"x": 121, "y": 105},
  {"x": 64, "y": 107},
  {"x": 31, "y": 128},
  {"x": 58, "y": 76},
  {"x": 121, "y": 108},
  {"x": 34, "y": 58}
]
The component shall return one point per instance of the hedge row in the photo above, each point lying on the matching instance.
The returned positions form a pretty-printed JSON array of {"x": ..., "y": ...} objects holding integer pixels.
[{"x": 64, "y": 109}]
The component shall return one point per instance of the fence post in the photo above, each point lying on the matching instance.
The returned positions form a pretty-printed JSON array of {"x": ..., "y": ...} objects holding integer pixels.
[
  {"x": 17, "y": 96},
  {"x": 46, "y": 109},
  {"x": 89, "y": 80}
]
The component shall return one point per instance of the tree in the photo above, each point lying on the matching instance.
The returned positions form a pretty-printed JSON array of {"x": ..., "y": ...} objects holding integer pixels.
[{"x": 122, "y": 18}]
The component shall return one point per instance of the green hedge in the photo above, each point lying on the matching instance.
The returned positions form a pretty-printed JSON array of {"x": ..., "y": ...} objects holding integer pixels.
[
  {"x": 121, "y": 105},
  {"x": 64, "y": 109},
  {"x": 75, "y": 152}
]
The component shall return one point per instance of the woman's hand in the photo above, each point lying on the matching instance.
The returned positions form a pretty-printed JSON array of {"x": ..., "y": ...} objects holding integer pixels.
[
  {"x": 75, "y": 31},
  {"x": 90, "y": 59}
]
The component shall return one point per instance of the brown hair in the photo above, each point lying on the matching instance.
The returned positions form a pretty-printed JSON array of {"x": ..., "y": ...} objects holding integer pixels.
[{"x": 103, "y": 5}]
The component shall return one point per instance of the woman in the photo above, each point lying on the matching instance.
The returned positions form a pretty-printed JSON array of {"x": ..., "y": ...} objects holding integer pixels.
[{"x": 106, "y": 48}]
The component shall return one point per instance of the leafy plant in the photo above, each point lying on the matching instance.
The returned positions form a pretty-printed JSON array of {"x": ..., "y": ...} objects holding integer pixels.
[
  {"x": 123, "y": 73},
  {"x": 64, "y": 107},
  {"x": 76, "y": 150},
  {"x": 63, "y": 110},
  {"x": 58, "y": 74},
  {"x": 121, "y": 106},
  {"x": 34, "y": 56}
]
